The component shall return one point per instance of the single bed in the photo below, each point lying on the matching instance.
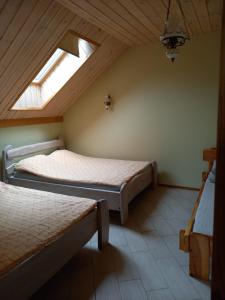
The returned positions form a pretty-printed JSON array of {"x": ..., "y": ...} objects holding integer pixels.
[
  {"x": 197, "y": 237},
  {"x": 39, "y": 233},
  {"x": 117, "y": 181}
]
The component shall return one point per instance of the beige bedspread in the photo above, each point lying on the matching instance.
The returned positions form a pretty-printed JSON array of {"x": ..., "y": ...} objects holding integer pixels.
[
  {"x": 68, "y": 166},
  {"x": 30, "y": 220}
]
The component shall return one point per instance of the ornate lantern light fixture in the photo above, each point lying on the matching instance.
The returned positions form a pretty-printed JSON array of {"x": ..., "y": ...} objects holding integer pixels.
[{"x": 172, "y": 39}]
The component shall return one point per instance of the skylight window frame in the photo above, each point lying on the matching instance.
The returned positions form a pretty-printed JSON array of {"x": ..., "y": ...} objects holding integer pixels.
[
  {"x": 39, "y": 84},
  {"x": 51, "y": 69}
]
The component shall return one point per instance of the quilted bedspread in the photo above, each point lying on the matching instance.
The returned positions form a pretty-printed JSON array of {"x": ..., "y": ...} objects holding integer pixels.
[
  {"x": 30, "y": 220},
  {"x": 68, "y": 166}
]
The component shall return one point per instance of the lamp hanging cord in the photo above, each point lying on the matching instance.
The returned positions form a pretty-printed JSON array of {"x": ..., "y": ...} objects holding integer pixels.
[
  {"x": 182, "y": 12},
  {"x": 168, "y": 11},
  {"x": 167, "y": 16}
]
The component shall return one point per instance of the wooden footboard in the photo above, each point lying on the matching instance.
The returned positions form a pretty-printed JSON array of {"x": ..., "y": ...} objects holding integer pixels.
[
  {"x": 200, "y": 253},
  {"x": 132, "y": 188},
  {"x": 31, "y": 274},
  {"x": 27, "y": 277}
]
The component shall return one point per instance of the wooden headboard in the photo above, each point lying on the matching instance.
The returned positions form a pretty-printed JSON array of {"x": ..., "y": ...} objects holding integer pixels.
[{"x": 9, "y": 154}]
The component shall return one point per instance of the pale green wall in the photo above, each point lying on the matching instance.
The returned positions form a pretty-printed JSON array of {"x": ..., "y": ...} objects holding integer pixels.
[
  {"x": 160, "y": 111},
  {"x": 23, "y": 135}
]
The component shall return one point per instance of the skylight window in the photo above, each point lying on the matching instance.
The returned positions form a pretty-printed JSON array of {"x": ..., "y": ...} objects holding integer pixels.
[
  {"x": 57, "y": 71},
  {"x": 48, "y": 66}
]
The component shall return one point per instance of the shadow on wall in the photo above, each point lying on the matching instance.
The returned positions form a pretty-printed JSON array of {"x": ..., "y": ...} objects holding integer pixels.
[{"x": 165, "y": 177}]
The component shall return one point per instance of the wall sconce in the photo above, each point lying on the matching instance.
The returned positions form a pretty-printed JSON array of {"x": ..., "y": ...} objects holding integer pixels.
[{"x": 108, "y": 102}]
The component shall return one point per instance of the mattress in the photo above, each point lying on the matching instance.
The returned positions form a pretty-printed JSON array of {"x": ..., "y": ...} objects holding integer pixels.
[
  {"x": 30, "y": 220},
  {"x": 67, "y": 166},
  {"x": 28, "y": 176},
  {"x": 205, "y": 213}
]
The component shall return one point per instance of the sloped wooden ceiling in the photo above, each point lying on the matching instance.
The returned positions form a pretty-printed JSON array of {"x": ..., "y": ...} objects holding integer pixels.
[
  {"x": 31, "y": 29},
  {"x": 29, "y": 33},
  {"x": 136, "y": 22}
]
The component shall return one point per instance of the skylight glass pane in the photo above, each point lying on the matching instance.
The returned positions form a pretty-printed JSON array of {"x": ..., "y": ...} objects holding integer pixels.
[{"x": 50, "y": 63}]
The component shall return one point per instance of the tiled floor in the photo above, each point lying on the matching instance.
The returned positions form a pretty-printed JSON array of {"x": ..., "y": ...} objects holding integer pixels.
[{"x": 143, "y": 260}]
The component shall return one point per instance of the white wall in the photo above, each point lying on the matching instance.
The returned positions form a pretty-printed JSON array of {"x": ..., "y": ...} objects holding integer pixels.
[{"x": 161, "y": 111}]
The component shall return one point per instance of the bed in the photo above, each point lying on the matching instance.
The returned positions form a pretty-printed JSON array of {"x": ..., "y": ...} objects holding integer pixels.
[
  {"x": 62, "y": 171},
  {"x": 39, "y": 233},
  {"x": 197, "y": 237}
]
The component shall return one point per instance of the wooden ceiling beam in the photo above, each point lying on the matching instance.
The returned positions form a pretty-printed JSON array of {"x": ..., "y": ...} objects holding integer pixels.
[{"x": 29, "y": 121}]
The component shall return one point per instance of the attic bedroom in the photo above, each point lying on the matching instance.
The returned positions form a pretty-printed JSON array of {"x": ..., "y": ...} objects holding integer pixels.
[{"x": 112, "y": 140}]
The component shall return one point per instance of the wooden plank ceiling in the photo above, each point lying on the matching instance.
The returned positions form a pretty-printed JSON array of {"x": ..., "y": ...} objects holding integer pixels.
[
  {"x": 140, "y": 21},
  {"x": 30, "y": 30}
]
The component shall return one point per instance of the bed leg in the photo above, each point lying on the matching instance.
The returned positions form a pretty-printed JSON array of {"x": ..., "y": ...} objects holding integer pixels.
[
  {"x": 103, "y": 223},
  {"x": 184, "y": 241},
  {"x": 124, "y": 204},
  {"x": 199, "y": 264},
  {"x": 124, "y": 213},
  {"x": 155, "y": 175},
  {"x": 6, "y": 164}
]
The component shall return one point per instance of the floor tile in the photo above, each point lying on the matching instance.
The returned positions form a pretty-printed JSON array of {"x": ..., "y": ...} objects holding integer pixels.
[
  {"x": 156, "y": 245},
  {"x": 134, "y": 239},
  {"x": 161, "y": 226},
  {"x": 202, "y": 287},
  {"x": 107, "y": 287},
  {"x": 103, "y": 260},
  {"x": 163, "y": 294},
  {"x": 132, "y": 290},
  {"x": 142, "y": 261},
  {"x": 124, "y": 265},
  {"x": 172, "y": 243},
  {"x": 149, "y": 271},
  {"x": 177, "y": 280},
  {"x": 117, "y": 235}
]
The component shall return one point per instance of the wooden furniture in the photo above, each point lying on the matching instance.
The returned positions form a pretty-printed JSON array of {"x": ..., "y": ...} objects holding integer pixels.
[
  {"x": 118, "y": 199},
  {"x": 34, "y": 265},
  {"x": 199, "y": 245},
  {"x": 218, "y": 258}
]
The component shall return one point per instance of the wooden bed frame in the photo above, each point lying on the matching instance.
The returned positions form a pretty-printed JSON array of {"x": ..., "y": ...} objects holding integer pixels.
[
  {"x": 199, "y": 245},
  {"x": 27, "y": 277},
  {"x": 117, "y": 200}
]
